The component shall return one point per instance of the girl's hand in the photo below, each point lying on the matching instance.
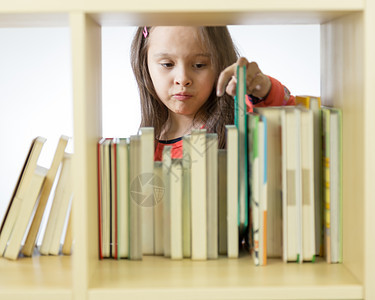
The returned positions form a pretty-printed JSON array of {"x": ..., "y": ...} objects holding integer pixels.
[{"x": 257, "y": 83}]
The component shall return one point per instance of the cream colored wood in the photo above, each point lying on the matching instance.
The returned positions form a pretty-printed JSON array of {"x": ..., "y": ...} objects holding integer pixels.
[
  {"x": 223, "y": 6},
  {"x": 369, "y": 149},
  {"x": 86, "y": 54},
  {"x": 342, "y": 86},
  {"x": 162, "y": 278},
  {"x": 242, "y": 17},
  {"x": 37, "y": 6},
  {"x": 34, "y": 19},
  {"x": 348, "y": 72},
  {"x": 39, "y": 277}
]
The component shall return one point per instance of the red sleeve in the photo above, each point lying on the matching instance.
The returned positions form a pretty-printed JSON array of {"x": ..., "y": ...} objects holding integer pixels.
[{"x": 279, "y": 95}]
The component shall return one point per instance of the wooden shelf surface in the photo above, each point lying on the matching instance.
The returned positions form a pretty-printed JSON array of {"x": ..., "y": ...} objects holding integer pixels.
[
  {"x": 161, "y": 278},
  {"x": 39, "y": 277}
]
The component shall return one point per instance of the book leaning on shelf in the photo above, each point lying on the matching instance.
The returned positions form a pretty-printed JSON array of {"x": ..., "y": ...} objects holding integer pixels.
[
  {"x": 20, "y": 192},
  {"x": 25, "y": 205}
]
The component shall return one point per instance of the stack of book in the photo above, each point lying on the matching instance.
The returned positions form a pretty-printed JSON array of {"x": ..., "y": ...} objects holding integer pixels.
[
  {"x": 301, "y": 196},
  {"x": 34, "y": 189},
  {"x": 172, "y": 207}
]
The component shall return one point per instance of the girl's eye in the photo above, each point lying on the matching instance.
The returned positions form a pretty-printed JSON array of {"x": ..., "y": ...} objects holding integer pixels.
[
  {"x": 199, "y": 65},
  {"x": 167, "y": 65}
]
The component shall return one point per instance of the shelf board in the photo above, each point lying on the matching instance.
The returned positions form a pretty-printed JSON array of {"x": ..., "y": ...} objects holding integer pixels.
[
  {"x": 161, "y": 278},
  {"x": 39, "y": 277}
]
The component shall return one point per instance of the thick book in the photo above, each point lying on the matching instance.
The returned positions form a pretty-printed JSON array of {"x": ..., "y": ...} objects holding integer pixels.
[
  {"x": 159, "y": 208},
  {"x": 20, "y": 191},
  {"x": 336, "y": 185},
  {"x": 30, "y": 243},
  {"x": 222, "y": 201},
  {"x": 146, "y": 177},
  {"x": 332, "y": 167},
  {"x": 122, "y": 160},
  {"x": 26, "y": 212},
  {"x": 275, "y": 193},
  {"x": 212, "y": 195},
  {"x": 59, "y": 209},
  {"x": 176, "y": 209},
  {"x": 293, "y": 241},
  {"x": 308, "y": 199},
  {"x": 136, "y": 198},
  {"x": 167, "y": 162},
  {"x": 232, "y": 191},
  {"x": 104, "y": 197},
  {"x": 313, "y": 103},
  {"x": 198, "y": 195},
  {"x": 68, "y": 239}
]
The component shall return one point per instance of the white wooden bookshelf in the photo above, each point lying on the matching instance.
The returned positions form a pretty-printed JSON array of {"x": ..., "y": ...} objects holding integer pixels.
[{"x": 347, "y": 80}]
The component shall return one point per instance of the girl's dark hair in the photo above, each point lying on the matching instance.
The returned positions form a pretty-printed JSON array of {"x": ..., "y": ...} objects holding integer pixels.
[{"x": 216, "y": 112}]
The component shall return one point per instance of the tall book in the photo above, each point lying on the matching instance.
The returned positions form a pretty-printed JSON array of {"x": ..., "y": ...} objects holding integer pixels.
[
  {"x": 28, "y": 204},
  {"x": 159, "y": 208},
  {"x": 122, "y": 161},
  {"x": 293, "y": 241},
  {"x": 332, "y": 165},
  {"x": 241, "y": 123},
  {"x": 263, "y": 205},
  {"x": 136, "y": 198},
  {"x": 255, "y": 179},
  {"x": 186, "y": 195},
  {"x": 198, "y": 195},
  {"x": 65, "y": 205},
  {"x": 212, "y": 195},
  {"x": 336, "y": 185},
  {"x": 68, "y": 239},
  {"x": 167, "y": 163},
  {"x": 20, "y": 191},
  {"x": 308, "y": 199},
  {"x": 146, "y": 177},
  {"x": 275, "y": 193},
  {"x": 113, "y": 199},
  {"x": 28, "y": 248},
  {"x": 222, "y": 201},
  {"x": 104, "y": 197},
  {"x": 326, "y": 184},
  {"x": 176, "y": 209},
  {"x": 232, "y": 191},
  {"x": 59, "y": 210},
  {"x": 314, "y": 104}
]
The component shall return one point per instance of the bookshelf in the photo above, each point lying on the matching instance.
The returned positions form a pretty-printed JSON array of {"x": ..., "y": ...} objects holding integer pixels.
[{"x": 348, "y": 69}]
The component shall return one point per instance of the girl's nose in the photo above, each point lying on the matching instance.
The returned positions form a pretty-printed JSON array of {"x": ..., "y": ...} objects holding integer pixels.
[{"x": 182, "y": 78}]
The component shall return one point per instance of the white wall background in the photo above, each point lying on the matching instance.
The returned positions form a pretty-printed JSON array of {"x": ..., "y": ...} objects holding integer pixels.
[{"x": 36, "y": 84}]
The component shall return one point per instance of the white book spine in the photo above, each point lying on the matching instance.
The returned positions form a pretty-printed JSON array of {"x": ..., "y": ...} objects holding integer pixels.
[
  {"x": 167, "y": 161},
  {"x": 176, "y": 210},
  {"x": 212, "y": 196},
  {"x": 146, "y": 176},
  {"x": 232, "y": 191},
  {"x": 198, "y": 196}
]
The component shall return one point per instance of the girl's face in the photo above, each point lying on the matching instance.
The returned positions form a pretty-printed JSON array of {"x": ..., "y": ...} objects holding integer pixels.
[{"x": 180, "y": 68}]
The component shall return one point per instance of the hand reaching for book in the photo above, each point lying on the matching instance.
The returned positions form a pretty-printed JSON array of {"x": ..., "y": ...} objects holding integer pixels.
[{"x": 257, "y": 83}]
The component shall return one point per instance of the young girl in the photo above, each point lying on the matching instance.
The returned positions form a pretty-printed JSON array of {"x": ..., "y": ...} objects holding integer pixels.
[{"x": 186, "y": 79}]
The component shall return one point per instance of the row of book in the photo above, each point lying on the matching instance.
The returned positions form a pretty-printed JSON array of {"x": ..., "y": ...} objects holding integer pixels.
[
  {"x": 296, "y": 182},
  {"x": 173, "y": 207},
  {"x": 290, "y": 208},
  {"x": 35, "y": 188}
]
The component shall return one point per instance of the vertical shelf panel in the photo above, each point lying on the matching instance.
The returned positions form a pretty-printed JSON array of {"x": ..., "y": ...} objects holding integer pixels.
[
  {"x": 369, "y": 127},
  {"x": 86, "y": 54},
  {"x": 342, "y": 68}
]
